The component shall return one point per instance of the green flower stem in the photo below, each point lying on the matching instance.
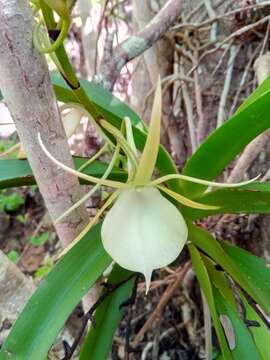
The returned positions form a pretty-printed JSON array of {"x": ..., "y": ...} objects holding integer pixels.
[
  {"x": 59, "y": 41},
  {"x": 60, "y": 7},
  {"x": 47, "y": 15},
  {"x": 64, "y": 66},
  {"x": 86, "y": 102}
]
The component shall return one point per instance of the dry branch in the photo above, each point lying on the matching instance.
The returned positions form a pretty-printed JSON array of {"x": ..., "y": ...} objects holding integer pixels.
[
  {"x": 157, "y": 313},
  {"x": 253, "y": 149},
  {"x": 136, "y": 44}
]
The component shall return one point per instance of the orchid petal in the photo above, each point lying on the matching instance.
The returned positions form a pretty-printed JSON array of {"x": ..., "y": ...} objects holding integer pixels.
[
  {"x": 94, "y": 157},
  {"x": 71, "y": 121},
  {"x": 122, "y": 141},
  {"x": 187, "y": 202},
  {"x": 111, "y": 183},
  {"x": 200, "y": 181},
  {"x": 150, "y": 152},
  {"x": 143, "y": 231},
  {"x": 88, "y": 227},
  {"x": 86, "y": 113},
  {"x": 93, "y": 190}
]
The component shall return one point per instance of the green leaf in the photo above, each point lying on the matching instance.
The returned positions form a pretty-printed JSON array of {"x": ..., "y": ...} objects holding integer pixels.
[
  {"x": 220, "y": 281},
  {"x": 260, "y": 334},
  {"x": 40, "y": 239},
  {"x": 98, "y": 341},
  {"x": 203, "y": 278},
  {"x": 255, "y": 270},
  {"x": 45, "y": 314},
  {"x": 16, "y": 172},
  {"x": 221, "y": 147},
  {"x": 245, "y": 275},
  {"x": 258, "y": 92},
  {"x": 233, "y": 201},
  {"x": 13, "y": 255},
  {"x": 245, "y": 347},
  {"x": 107, "y": 104},
  {"x": 11, "y": 202}
]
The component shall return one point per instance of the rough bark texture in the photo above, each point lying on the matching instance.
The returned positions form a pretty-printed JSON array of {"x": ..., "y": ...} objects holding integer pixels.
[
  {"x": 15, "y": 290},
  {"x": 25, "y": 84},
  {"x": 138, "y": 43}
]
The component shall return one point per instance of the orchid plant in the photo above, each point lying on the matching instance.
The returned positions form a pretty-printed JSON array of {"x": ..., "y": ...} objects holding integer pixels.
[
  {"x": 147, "y": 220},
  {"x": 154, "y": 231}
]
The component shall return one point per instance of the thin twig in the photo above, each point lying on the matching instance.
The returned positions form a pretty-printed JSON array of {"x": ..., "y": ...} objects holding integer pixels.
[
  {"x": 222, "y": 16},
  {"x": 243, "y": 80},
  {"x": 265, "y": 40},
  {"x": 157, "y": 313},
  {"x": 221, "y": 110},
  {"x": 109, "y": 288},
  {"x": 99, "y": 28},
  {"x": 138, "y": 43},
  {"x": 189, "y": 112},
  {"x": 212, "y": 14}
]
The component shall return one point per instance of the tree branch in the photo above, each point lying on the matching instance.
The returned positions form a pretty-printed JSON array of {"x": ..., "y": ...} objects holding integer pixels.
[
  {"x": 15, "y": 291},
  {"x": 26, "y": 86},
  {"x": 136, "y": 44}
]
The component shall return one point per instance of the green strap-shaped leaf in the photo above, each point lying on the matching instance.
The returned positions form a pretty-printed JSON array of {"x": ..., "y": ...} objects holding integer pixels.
[
  {"x": 232, "y": 201},
  {"x": 107, "y": 104},
  {"x": 221, "y": 147},
  {"x": 246, "y": 276},
  {"x": 259, "y": 331},
  {"x": 245, "y": 347},
  {"x": 220, "y": 281},
  {"x": 16, "y": 172},
  {"x": 205, "y": 283},
  {"x": 255, "y": 270},
  {"x": 258, "y": 92},
  {"x": 98, "y": 341},
  {"x": 45, "y": 314}
]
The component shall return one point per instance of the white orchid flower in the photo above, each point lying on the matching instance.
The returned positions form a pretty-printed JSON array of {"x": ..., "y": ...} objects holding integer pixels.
[
  {"x": 71, "y": 120},
  {"x": 143, "y": 230}
]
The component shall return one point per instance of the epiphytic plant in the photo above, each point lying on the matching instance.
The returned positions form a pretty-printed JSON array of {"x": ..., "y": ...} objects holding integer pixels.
[{"x": 230, "y": 278}]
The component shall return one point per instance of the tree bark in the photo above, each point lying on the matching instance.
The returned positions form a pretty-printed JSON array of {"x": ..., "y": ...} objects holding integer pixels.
[
  {"x": 15, "y": 291},
  {"x": 138, "y": 43},
  {"x": 26, "y": 87}
]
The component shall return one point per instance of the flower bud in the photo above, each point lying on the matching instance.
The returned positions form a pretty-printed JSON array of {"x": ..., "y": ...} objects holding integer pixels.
[{"x": 71, "y": 121}]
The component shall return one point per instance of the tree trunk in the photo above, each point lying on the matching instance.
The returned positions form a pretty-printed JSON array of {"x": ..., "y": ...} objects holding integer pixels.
[{"x": 26, "y": 87}]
